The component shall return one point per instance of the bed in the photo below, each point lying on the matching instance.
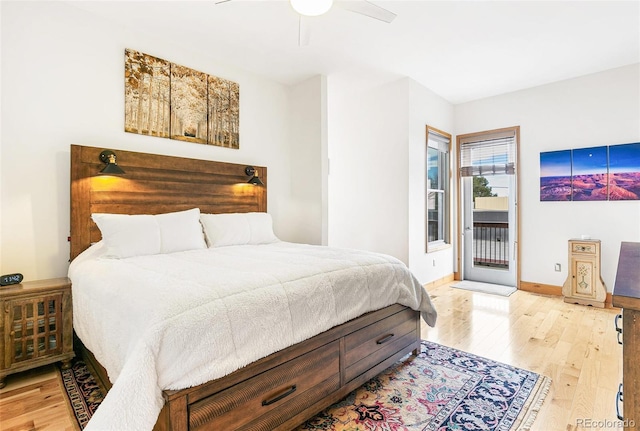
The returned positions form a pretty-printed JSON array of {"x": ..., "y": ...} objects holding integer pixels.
[{"x": 286, "y": 382}]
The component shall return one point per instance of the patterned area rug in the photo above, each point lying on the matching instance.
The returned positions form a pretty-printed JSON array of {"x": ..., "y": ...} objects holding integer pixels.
[
  {"x": 441, "y": 389},
  {"x": 82, "y": 390}
]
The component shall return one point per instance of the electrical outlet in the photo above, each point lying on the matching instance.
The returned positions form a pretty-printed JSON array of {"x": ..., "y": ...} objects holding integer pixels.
[{"x": 558, "y": 267}]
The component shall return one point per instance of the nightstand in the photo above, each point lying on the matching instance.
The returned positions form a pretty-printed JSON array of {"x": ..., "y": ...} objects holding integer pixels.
[
  {"x": 36, "y": 326},
  {"x": 584, "y": 284}
]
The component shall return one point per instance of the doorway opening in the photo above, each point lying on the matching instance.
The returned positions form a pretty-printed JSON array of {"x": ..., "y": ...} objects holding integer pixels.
[{"x": 488, "y": 214}]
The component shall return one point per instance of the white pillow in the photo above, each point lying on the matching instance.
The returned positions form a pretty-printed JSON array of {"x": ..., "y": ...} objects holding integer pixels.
[
  {"x": 138, "y": 235},
  {"x": 128, "y": 235},
  {"x": 238, "y": 229},
  {"x": 180, "y": 231}
]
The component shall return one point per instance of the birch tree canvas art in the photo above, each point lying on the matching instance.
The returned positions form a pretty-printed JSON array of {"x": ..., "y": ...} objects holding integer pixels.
[
  {"x": 168, "y": 100},
  {"x": 147, "y": 103},
  {"x": 224, "y": 112},
  {"x": 188, "y": 104}
]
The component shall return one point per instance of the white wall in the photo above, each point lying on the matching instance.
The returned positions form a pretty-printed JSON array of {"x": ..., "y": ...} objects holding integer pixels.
[
  {"x": 368, "y": 154},
  {"x": 62, "y": 84},
  {"x": 308, "y": 176},
  {"x": 594, "y": 110},
  {"x": 377, "y": 153}
]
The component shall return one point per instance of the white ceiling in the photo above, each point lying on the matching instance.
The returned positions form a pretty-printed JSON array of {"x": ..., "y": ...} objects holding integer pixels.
[{"x": 461, "y": 50}]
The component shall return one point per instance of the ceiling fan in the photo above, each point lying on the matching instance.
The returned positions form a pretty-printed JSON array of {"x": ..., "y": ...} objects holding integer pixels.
[{"x": 306, "y": 8}]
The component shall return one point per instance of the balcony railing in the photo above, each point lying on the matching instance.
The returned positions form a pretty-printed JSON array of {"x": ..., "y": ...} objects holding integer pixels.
[{"x": 491, "y": 244}]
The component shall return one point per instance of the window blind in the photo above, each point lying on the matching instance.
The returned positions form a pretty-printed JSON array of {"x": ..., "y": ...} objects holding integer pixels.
[
  {"x": 488, "y": 155},
  {"x": 439, "y": 142}
]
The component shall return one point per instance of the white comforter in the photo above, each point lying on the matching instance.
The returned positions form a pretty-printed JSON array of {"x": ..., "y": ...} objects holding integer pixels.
[{"x": 176, "y": 320}]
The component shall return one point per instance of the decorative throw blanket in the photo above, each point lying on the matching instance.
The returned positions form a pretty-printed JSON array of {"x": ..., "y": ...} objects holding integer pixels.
[{"x": 173, "y": 321}]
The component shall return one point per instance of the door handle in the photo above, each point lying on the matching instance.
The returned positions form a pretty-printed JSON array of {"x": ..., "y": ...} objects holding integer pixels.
[{"x": 619, "y": 400}]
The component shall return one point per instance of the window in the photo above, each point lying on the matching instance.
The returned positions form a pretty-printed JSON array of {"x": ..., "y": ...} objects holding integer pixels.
[{"x": 438, "y": 176}]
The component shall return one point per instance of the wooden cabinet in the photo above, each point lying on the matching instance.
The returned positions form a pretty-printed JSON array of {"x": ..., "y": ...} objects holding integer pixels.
[
  {"x": 584, "y": 284},
  {"x": 626, "y": 295},
  {"x": 36, "y": 325}
]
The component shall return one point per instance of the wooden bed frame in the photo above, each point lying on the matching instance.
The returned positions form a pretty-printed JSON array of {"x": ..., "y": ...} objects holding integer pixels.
[{"x": 277, "y": 392}]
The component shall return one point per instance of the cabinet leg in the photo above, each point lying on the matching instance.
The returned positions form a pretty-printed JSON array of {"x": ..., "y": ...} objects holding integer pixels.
[
  {"x": 66, "y": 364},
  {"x": 3, "y": 382}
]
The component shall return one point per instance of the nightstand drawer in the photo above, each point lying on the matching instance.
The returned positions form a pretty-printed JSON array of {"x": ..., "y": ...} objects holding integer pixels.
[
  {"x": 583, "y": 247},
  {"x": 274, "y": 396},
  {"x": 372, "y": 344}
]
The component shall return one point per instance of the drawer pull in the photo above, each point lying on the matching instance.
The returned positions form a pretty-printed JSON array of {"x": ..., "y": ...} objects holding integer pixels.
[
  {"x": 618, "y": 401},
  {"x": 385, "y": 339},
  {"x": 286, "y": 393},
  {"x": 618, "y": 328}
]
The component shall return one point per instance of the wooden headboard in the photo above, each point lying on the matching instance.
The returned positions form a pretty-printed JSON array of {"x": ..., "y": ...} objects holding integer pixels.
[{"x": 154, "y": 184}]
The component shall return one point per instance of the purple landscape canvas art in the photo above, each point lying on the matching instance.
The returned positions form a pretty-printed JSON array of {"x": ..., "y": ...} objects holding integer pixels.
[
  {"x": 555, "y": 176},
  {"x": 589, "y": 169},
  {"x": 624, "y": 172},
  {"x": 591, "y": 174}
]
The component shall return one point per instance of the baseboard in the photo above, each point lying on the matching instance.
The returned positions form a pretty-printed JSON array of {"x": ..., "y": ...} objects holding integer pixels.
[
  {"x": 549, "y": 289},
  {"x": 439, "y": 282},
  {"x": 543, "y": 289}
]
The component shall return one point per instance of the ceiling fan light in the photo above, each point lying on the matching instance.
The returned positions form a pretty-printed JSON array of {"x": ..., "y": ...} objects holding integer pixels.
[{"x": 311, "y": 7}]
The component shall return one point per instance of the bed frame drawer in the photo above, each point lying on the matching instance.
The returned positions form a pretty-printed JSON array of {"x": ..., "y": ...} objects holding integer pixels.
[
  {"x": 374, "y": 343},
  {"x": 274, "y": 396}
]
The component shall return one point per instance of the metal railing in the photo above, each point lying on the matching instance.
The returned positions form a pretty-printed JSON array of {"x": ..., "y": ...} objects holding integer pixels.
[{"x": 491, "y": 244}]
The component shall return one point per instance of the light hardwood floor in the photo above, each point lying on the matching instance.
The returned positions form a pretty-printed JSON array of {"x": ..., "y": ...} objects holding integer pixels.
[
  {"x": 573, "y": 344},
  {"x": 34, "y": 400}
]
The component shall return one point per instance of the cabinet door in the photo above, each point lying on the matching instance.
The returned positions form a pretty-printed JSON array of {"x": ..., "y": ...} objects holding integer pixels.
[
  {"x": 34, "y": 328},
  {"x": 584, "y": 272}
]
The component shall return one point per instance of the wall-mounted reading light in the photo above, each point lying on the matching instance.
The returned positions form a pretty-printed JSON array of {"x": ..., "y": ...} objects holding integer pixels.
[
  {"x": 109, "y": 158},
  {"x": 253, "y": 173}
]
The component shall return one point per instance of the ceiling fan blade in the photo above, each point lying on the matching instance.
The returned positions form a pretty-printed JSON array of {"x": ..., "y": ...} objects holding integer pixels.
[
  {"x": 364, "y": 7},
  {"x": 220, "y": 1},
  {"x": 303, "y": 32}
]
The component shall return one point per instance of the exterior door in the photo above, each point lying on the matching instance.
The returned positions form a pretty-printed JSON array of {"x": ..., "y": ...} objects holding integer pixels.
[{"x": 489, "y": 229}]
